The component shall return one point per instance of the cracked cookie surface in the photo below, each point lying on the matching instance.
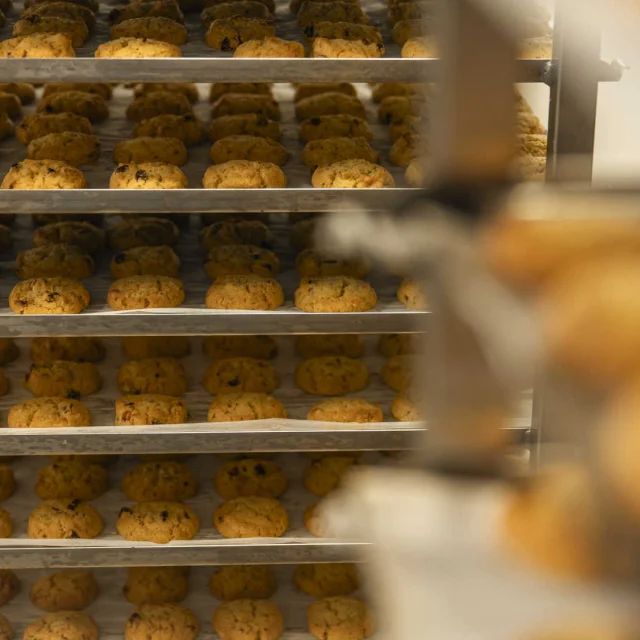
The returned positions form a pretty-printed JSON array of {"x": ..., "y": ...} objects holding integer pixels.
[
  {"x": 251, "y": 517},
  {"x": 150, "y": 409},
  {"x": 159, "y": 522},
  {"x": 49, "y": 295},
  {"x": 43, "y": 413},
  {"x": 334, "y": 294},
  {"x": 64, "y": 519}
]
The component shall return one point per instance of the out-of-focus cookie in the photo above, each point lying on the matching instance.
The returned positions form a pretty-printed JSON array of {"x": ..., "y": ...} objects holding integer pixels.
[
  {"x": 253, "y": 148},
  {"x": 339, "y": 617},
  {"x": 189, "y": 129},
  {"x": 153, "y": 481},
  {"x": 148, "y": 175},
  {"x": 412, "y": 295},
  {"x": 227, "y": 34},
  {"x": 9, "y": 351},
  {"x": 9, "y": 586},
  {"x": 155, "y": 27},
  {"x": 88, "y": 105},
  {"x": 165, "y": 376},
  {"x": 64, "y": 591},
  {"x": 310, "y": 263},
  {"x": 236, "y": 407},
  {"x": 45, "y": 413},
  {"x": 331, "y": 375},
  {"x": 397, "y": 372},
  {"x": 137, "y": 48},
  {"x": 81, "y": 234},
  {"x": 145, "y": 292},
  {"x": 239, "y": 619},
  {"x": 67, "y": 10},
  {"x": 75, "y": 29},
  {"x": 147, "y": 9},
  {"x": 252, "y": 124},
  {"x": 231, "y": 375},
  {"x": 341, "y": 125},
  {"x": 7, "y": 128},
  {"x": 147, "y": 231},
  {"x": 71, "y": 479},
  {"x": 244, "y": 174},
  {"x": 22, "y": 90},
  {"x": 313, "y": 12},
  {"x": 49, "y": 295},
  {"x": 326, "y": 104},
  {"x": 241, "y": 259},
  {"x": 384, "y": 90},
  {"x": 220, "y": 88},
  {"x": 150, "y": 409},
  {"x": 47, "y": 350},
  {"x": 156, "y": 103},
  {"x": 156, "y": 585},
  {"x": 352, "y": 174},
  {"x": 159, "y": 522},
  {"x": 346, "y": 410},
  {"x": 425, "y": 47},
  {"x": 38, "y": 45},
  {"x": 146, "y": 261},
  {"x": 74, "y": 625},
  {"x": 323, "y": 476},
  {"x": 405, "y": 30},
  {"x": 43, "y": 174},
  {"x": 348, "y": 344},
  {"x": 314, "y": 522},
  {"x": 334, "y": 294},
  {"x": 250, "y": 477},
  {"x": 189, "y": 89},
  {"x": 404, "y": 409},
  {"x": 236, "y": 582},
  {"x": 5, "y": 628},
  {"x": 348, "y": 31},
  {"x": 327, "y": 579},
  {"x": 236, "y": 232},
  {"x": 270, "y": 4},
  {"x": 269, "y": 47},
  {"x": 244, "y": 8},
  {"x": 138, "y": 347},
  {"x": 42, "y": 124},
  {"x": 162, "y": 622},
  {"x": 7, "y": 482},
  {"x": 64, "y": 519},
  {"x": 308, "y": 89},
  {"x": 327, "y": 151},
  {"x": 412, "y": 125},
  {"x": 336, "y": 48},
  {"x": 252, "y": 517},
  {"x": 10, "y": 104},
  {"x": 230, "y": 104},
  {"x": 250, "y": 292},
  {"x": 261, "y": 347},
  {"x": 394, "y": 109},
  {"x": 396, "y": 344},
  {"x": 406, "y": 148},
  {"x": 102, "y": 89},
  {"x": 73, "y": 148},
  {"x": 150, "y": 149},
  {"x": 63, "y": 378},
  {"x": 65, "y": 260}
]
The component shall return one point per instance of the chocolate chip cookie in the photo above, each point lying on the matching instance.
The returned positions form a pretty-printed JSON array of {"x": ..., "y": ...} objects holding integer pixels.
[
  {"x": 250, "y": 292},
  {"x": 102, "y": 89},
  {"x": 64, "y": 519},
  {"x": 230, "y": 375},
  {"x": 235, "y": 582},
  {"x": 250, "y": 477},
  {"x": 236, "y": 232},
  {"x": 244, "y": 174},
  {"x": 231, "y": 104},
  {"x": 241, "y": 259},
  {"x": 161, "y": 622},
  {"x": 346, "y": 410},
  {"x": 336, "y": 48},
  {"x": 64, "y": 591},
  {"x": 42, "y": 124},
  {"x": 326, "y": 104},
  {"x": 137, "y": 48},
  {"x": 412, "y": 295},
  {"x": 269, "y": 47},
  {"x": 147, "y": 9},
  {"x": 75, "y": 29},
  {"x": 339, "y": 617},
  {"x": 327, "y": 151},
  {"x": 227, "y": 34},
  {"x": 72, "y": 625},
  {"x": 253, "y": 148},
  {"x": 43, "y": 174},
  {"x": 150, "y": 149},
  {"x": 156, "y": 103},
  {"x": 156, "y": 585},
  {"x": 154, "y": 27},
  {"x": 148, "y": 175},
  {"x": 38, "y": 45},
  {"x": 238, "y": 619},
  {"x": 245, "y": 124},
  {"x": 134, "y": 231},
  {"x": 404, "y": 409},
  {"x": 81, "y": 234},
  {"x": 236, "y": 407},
  {"x": 145, "y": 292},
  {"x": 87, "y": 105},
  {"x": 352, "y": 174},
  {"x": 323, "y": 476},
  {"x": 340, "y": 125}
]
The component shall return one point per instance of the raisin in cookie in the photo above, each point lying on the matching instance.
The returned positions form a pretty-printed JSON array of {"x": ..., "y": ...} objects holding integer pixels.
[
  {"x": 65, "y": 260},
  {"x": 324, "y": 152},
  {"x": 9, "y": 586},
  {"x": 412, "y": 296},
  {"x": 147, "y": 9},
  {"x": 63, "y": 378},
  {"x": 157, "y": 28},
  {"x": 313, "y": 12},
  {"x": 145, "y": 292},
  {"x": 336, "y": 48},
  {"x": 71, "y": 625},
  {"x": 43, "y": 174},
  {"x": 236, "y": 582},
  {"x": 236, "y": 232},
  {"x": 149, "y": 149},
  {"x": 137, "y": 347},
  {"x": 244, "y": 174},
  {"x": 42, "y": 124},
  {"x": 346, "y": 410},
  {"x": 236, "y": 407},
  {"x": 250, "y": 292},
  {"x": 311, "y": 346},
  {"x": 227, "y": 34},
  {"x": 251, "y": 124},
  {"x": 157, "y": 103},
  {"x": 46, "y": 413},
  {"x": 134, "y": 231},
  {"x": 404, "y": 409},
  {"x": 269, "y": 47},
  {"x": 244, "y": 8},
  {"x": 239, "y": 619},
  {"x": 323, "y": 476},
  {"x": 102, "y": 89},
  {"x": 73, "y": 148},
  {"x": 146, "y": 261},
  {"x": 352, "y": 174},
  {"x": 252, "y": 517},
  {"x": 38, "y": 45},
  {"x": 49, "y": 295},
  {"x": 340, "y": 125},
  {"x": 326, "y": 104},
  {"x": 162, "y": 622},
  {"x": 150, "y": 409},
  {"x": 331, "y": 375},
  {"x": 87, "y": 105},
  {"x": 153, "y": 481},
  {"x": 327, "y": 579},
  {"x": 148, "y": 175},
  {"x": 334, "y": 294},
  {"x": 75, "y": 29},
  {"x": 339, "y": 617},
  {"x": 261, "y": 347},
  {"x": 230, "y": 104},
  {"x": 158, "y": 522},
  {"x": 250, "y": 477},
  {"x": 165, "y": 376},
  {"x": 22, "y": 90},
  {"x": 230, "y": 375},
  {"x": 253, "y": 148},
  {"x": 186, "y": 128},
  {"x": 241, "y": 259},
  {"x": 397, "y": 372},
  {"x": 156, "y": 585},
  {"x": 81, "y": 234},
  {"x": 310, "y": 263},
  {"x": 64, "y": 591},
  {"x": 137, "y": 48},
  {"x": 71, "y": 479},
  {"x": 64, "y": 519}
]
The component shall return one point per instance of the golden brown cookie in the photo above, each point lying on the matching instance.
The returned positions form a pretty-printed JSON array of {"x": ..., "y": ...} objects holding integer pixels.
[
  {"x": 71, "y": 479},
  {"x": 145, "y": 149},
  {"x": 234, "y": 407},
  {"x": 156, "y": 103},
  {"x": 352, "y": 174},
  {"x": 261, "y": 104},
  {"x": 156, "y": 585},
  {"x": 425, "y": 47},
  {"x": 73, "y": 148},
  {"x": 162, "y": 622},
  {"x": 75, "y": 29},
  {"x": 63, "y": 378},
  {"x": 261, "y": 347},
  {"x": 44, "y": 413},
  {"x": 269, "y": 47},
  {"x": 145, "y": 261},
  {"x": 64, "y": 591},
  {"x": 397, "y": 372},
  {"x": 145, "y": 292},
  {"x": 323, "y": 476},
  {"x": 329, "y": 579},
  {"x": 347, "y": 31},
  {"x": 383, "y": 90},
  {"x": 339, "y": 617},
  {"x": 148, "y": 175},
  {"x": 404, "y": 409},
  {"x": 137, "y": 48},
  {"x": 405, "y": 149},
  {"x": 81, "y": 234},
  {"x": 340, "y": 125},
  {"x": 412, "y": 296},
  {"x": 253, "y": 148},
  {"x": 326, "y": 104},
  {"x": 331, "y": 375},
  {"x": 334, "y": 294},
  {"x": 234, "y": 232},
  {"x": 102, "y": 89},
  {"x": 88, "y": 105},
  {"x": 330, "y": 344},
  {"x": 72, "y": 625},
  {"x": 9, "y": 586},
  {"x": 245, "y": 292},
  {"x": 147, "y": 9},
  {"x": 23, "y": 90},
  {"x": 49, "y": 295},
  {"x": 7, "y": 127},
  {"x": 41, "y": 124},
  {"x": 187, "y": 128},
  {"x": 47, "y": 350},
  {"x": 409, "y": 124},
  {"x": 250, "y": 477},
  {"x": 318, "y": 153},
  {"x": 160, "y": 481},
  {"x": 38, "y": 45},
  {"x": 220, "y": 88},
  {"x": 64, "y": 519},
  {"x": 158, "y": 522},
  {"x": 396, "y": 344},
  {"x": 155, "y": 27},
  {"x": 138, "y": 347},
  {"x": 394, "y": 109},
  {"x": 311, "y": 263},
  {"x": 244, "y": 174},
  {"x": 241, "y": 259},
  {"x": 189, "y": 89},
  {"x": 244, "y": 8},
  {"x": 236, "y": 582},
  {"x": 240, "y": 619},
  {"x": 150, "y": 409},
  {"x": 43, "y": 174},
  {"x": 134, "y": 231},
  {"x": 7, "y": 482},
  {"x": 313, "y": 12},
  {"x": 165, "y": 376},
  {"x": 346, "y": 410},
  {"x": 245, "y": 124},
  {"x": 308, "y": 89},
  {"x": 338, "y": 48},
  {"x": 252, "y": 517},
  {"x": 227, "y": 34},
  {"x": 232, "y": 375}
]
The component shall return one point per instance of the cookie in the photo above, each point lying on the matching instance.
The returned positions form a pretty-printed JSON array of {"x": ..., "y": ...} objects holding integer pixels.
[
  {"x": 252, "y": 517},
  {"x": 346, "y": 410},
  {"x": 7, "y": 128},
  {"x": 64, "y": 519},
  {"x": 161, "y": 622},
  {"x": 261, "y": 347},
  {"x": 231, "y": 375},
  {"x": 326, "y": 580},
  {"x": 240, "y": 619},
  {"x": 101, "y": 459},
  {"x": 241, "y": 259},
  {"x": 270, "y": 4},
  {"x": 227, "y": 34},
  {"x": 411, "y": 295},
  {"x": 9, "y": 586},
  {"x": 404, "y": 409},
  {"x": 313, "y": 12},
  {"x": 102, "y": 89},
  {"x": 165, "y": 376},
  {"x": 49, "y": 295},
  {"x": 154, "y": 27},
  {"x": 156, "y": 585},
  {"x": 156, "y": 103},
  {"x": 67, "y": 10},
  {"x": 43, "y": 174},
  {"x": 526, "y": 123},
  {"x": 250, "y": 477},
  {"x": 405, "y": 30},
  {"x": 63, "y": 378},
  {"x": 384, "y": 90},
  {"x": 308, "y": 89},
  {"x": 70, "y": 625},
  {"x": 9, "y": 351},
  {"x": 150, "y": 409},
  {"x": 336, "y": 48},
  {"x": 302, "y": 234},
  {"x": 245, "y": 124},
  {"x": 219, "y": 89},
  {"x": 397, "y": 372},
  {"x": 236, "y": 407},
  {"x": 44, "y": 413},
  {"x": 249, "y": 292},
  {"x": 186, "y": 128},
  {"x": 327, "y": 151},
  {"x": 188, "y": 89},
  {"x": 71, "y": 479},
  {"x": 238, "y": 582},
  {"x": 158, "y": 522},
  {"x": 236, "y": 232},
  {"x": 134, "y": 231},
  {"x": 269, "y": 47},
  {"x": 334, "y": 294},
  {"x": 407, "y": 11},
  {"x": 331, "y": 375},
  {"x": 93, "y": 5},
  {"x": 87, "y": 105},
  {"x": 424, "y": 47},
  {"x": 311, "y": 346},
  {"x": 38, "y": 45},
  {"x": 348, "y": 31},
  {"x": 244, "y": 8},
  {"x": 42, "y": 124},
  {"x": 6, "y": 632},
  {"x": 230, "y": 104},
  {"x": 73, "y": 148},
  {"x": 327, "y": 104},
  {"x": 137, "y": 48},
  {"x": 396, "y": 344},
  {"x": 310, "y": 263},
  {"x": 408, "y": 125},
  {"x": 138, "y": 347},
  {"x": 252, "y": 148},
  {"x": 48, "y": 350},
  {"x": 339, "y": 617},
  {"x": 4, "y": 383},
  {"x": 22, "y": 90},
  {"x": 81, "y": 234},
  {"x": 395, "y": 109},
  {"x": 150, "y": 9},
  {"x": 145, "y": 292},
  {"x": 75, "y": 29},
  {"x": 148, "y": 175},
  {"x": 160, "y": 481},
  {"x": 10, "y": 104},
  {"x": 406, "y": 148},
  {"x": 148, "y": 149},
  {"x": 340, "y": 125},
  {"x": 352, "y": 174},
  {"x": 64, "y": 591},
  {"x": 145, "y": 261},
  {"x": 244, "y": 174},
  {"x": 323, "y": 476},
  {"x": 7, "y": 482}
]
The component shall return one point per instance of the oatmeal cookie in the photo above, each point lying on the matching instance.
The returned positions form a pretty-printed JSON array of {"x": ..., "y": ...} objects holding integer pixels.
[
  {"x": 310, "y": 263},
  {"x": 384, "y": 90},
  {"x": 331, "y": 375},
  {"x": 250, "y": 477},
  {"x": 339, "y": 617},
  {"x": 64, "y": 519},
  {"x": 250, "y": 292},
  {"x": 43, "y": 174},
  {"x": 411, "y": 295},
  {"x": 250, "y": 124},
  {"x": 154, "y": 27},
  {"x": 244, "y": 8},
  {"x": 156, "y": 585},
  {"x": 405, "y": 30},
  {"x": 346, "y": 410},
  {"x": 327, "y": 579},
  {"x": 147, "y": 231},
  {"x": 230, "y": 104},
  {"x": 6, "y": 632},
  {"x": 42, "y": 124},
  {"x": 269, "y": 47},
  {"x": 161, "y": 622},
  {"x": 343, "y": 31},
  {"x": 424, "y": 47},
  {"x": 149, "y": 9},
  {"x": 158, "y": 522},
  {"x": 102, "y": 89},
  {"x": 165, "y": 376},
  {"x": 352, "y": 174},
  {"x": 67, "y": 10},
  {"x": 137, "y": 48},
  {"x": 396, "y": 344},
  {"x": 397, "y": 372},
  {"x": 38, "y": 45},
  {"x": 532, "y": 144},
  {"x": 337, "y": 48},
  {"x": 63, "y": 378},
  {"x": 327, "y": 104},
  {"x": 404, "y": 409},
  {"x": 334, "y": 294},
  {"x": 80, "y": 234},
  {"x": 240, "y": 619},
  {"x": 231, "y": 375},
  {"x": 219, "y": 89},
  {"x": 150, "y": 410},
  {"x": 7, "y": 482},
  {"x": 313, "y": 12},
  {"x": 138, "y": 347},
  {"x": 236, "y": 407},
  {"x": 9, "y": 351},
  {"x": 87, "y": 105},
  {"x": 93, "y": 5},
  {"x": 311, "y": 346},
  {"x": 413, "y": 125},
  {"x": 187, "y": 128},
  {"x": 64, "y": 591},
  {"x": 252, "y": 148},
  {"x": 4, "y": 384},
  {"x": 45, "y": 413},
  {"x": 49, "y": 295},
  {"x": 394, "y": 109},
  {"x": 148, "y": 175},
  {"x": 10, "y": 104},
  {"x": 252, "y": 517},
  {"x": 150, "y": 149},
  {"x": 302, "y": 234},
  {"x": 270, "y": 4},
  {"x": 236, "y": 582},
  {"x": 145, "y": 292},
  {"x": 71, "y": 479},
  {"x": 145, "y": 261},
  {"x": 70, "y": 625},
  {"x": 9, "y": 585},
  {"x": 227, "y": 34},
  {"x": 319, "y": 153},
  {"x": 309, "y": 89},
  {"x": 22, "y": 90},
  {"x": 65, "y": 260},
  {"x": 75, "y": 29},
  {"x": 244, "y": 174},
  {"x": 325, "y": 475},
  {"x": 241, "y": 259},
  {"x": 188, "y": 89},
  {"x": 405, "y": 149},
  {"x": 157, "y": 103},
  {"x": 340, "y": 125},
  {"x": 7, "y": 128},
  {"x": 164, "y": 481},
  {"x": 261, "y": 347},
  {"x": 73, "y": 148}
]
